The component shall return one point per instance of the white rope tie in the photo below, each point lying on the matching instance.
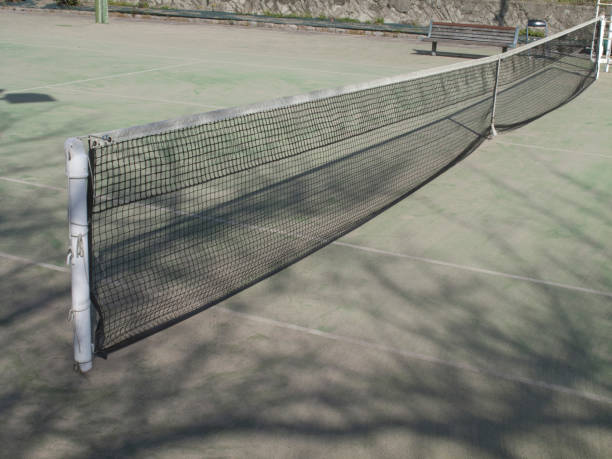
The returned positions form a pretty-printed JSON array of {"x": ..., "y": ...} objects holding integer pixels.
[
  {"x": 80, "y": 249},
  {"x": 80, "y": 245},
  {"x": 81, "y": 307}
]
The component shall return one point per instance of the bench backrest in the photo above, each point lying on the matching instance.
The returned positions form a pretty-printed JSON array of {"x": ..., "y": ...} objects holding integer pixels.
[{"x": 504, "y": 36}]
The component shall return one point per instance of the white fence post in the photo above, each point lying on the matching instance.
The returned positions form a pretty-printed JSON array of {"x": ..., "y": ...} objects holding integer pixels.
[{"x": 77, "y": 169}]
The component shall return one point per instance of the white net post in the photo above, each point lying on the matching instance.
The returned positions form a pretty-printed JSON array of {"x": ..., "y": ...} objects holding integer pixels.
[
  {"x": 497, "y": 68},
  {"x": 609, "y": 44},
  {"x": 77, "y": 170},
  {"x": 603, "y": 12},
  {"x": 600, "y": 50},
  {"x": 609, "y": 50}
]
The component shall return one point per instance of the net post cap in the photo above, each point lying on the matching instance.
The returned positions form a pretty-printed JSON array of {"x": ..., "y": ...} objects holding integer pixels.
[{"x": 77, "y": 162}]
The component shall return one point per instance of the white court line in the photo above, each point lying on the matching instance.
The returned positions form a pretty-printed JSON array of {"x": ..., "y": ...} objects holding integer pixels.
[
  {"x": 145, "y": 99},
  {"x": 27, "y": 261},
  {"x": 421, "y": 357},
  {"x": 401, "y": 255},
  {"x": 476, "y": 270},
  {"x": 38, "y": 185},
  {"x": 105, "y": 77},
  {"x": 289, "y": 68},
  {"x": 537, "y": 147},
  {"x": 103, "y": 51},
  {"x": 379, "y": 347},
  {"x": 198, "y": 62},
  {"x": 226, "y": 50},
  {"x": 408, "y": 257}
]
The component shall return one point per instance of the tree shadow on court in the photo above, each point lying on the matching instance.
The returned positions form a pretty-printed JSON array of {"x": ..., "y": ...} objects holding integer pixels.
[
  {"x": 419, "y": 362},
  {"x": 434, "y": 371},
  {"x": 236, "y": 388},
  {"x": 220, "y": 384}
]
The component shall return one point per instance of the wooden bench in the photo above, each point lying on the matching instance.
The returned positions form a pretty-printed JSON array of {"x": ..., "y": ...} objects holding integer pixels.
[{"x": 485, "y": 35}]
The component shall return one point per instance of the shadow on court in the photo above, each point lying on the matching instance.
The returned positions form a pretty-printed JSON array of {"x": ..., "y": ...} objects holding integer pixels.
[
  {"x": 220, "y": 385},
  {"x": 466, "y": 55},
  {"x": 26, "y": 98},
  {"x": 438, "y": 362}
]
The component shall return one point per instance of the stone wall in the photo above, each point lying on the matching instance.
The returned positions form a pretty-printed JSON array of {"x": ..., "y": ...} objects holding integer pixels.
[{"x": 509, "y": 12}]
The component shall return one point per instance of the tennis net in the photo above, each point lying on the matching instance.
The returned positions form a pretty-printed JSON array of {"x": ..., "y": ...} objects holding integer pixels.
[{"x": 185, "y": 213}]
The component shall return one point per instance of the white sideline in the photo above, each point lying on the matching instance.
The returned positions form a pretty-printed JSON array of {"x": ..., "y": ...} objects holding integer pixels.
[
  {"x": 538, "y": 147},
  {"x": 380, "y": 347},
  {"x": 197, "y": 62},
  {"x": 27, "y": 261},
  {"x": 422, "y": 357},
  {"x": 145, "y": 99},
  {"x": 104, "y": 77},
  {"x": 38, "y": 185},
  {"x": 476, "y": 270}
]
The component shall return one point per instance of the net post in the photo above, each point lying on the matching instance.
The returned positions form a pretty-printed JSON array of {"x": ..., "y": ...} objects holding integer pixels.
[
  {"x": 493, "y": 132},
  {"x": 609, "y": 47},
  {"x": 600, "y": 48},
  {"x": 77, "y": 170}
]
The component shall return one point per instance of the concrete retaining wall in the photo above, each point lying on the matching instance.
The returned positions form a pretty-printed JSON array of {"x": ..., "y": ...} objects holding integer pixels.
[{"x": 509, "y": 12}]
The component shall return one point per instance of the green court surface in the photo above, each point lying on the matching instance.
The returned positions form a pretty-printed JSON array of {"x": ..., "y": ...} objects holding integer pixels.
[{"x": 472, "y": 319}]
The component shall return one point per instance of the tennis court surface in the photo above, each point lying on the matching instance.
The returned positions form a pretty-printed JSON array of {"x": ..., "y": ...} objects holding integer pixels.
[{"x": 471, "y": 319}]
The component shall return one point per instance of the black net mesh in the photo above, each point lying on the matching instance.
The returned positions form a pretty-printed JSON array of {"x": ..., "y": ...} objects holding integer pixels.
[
  {"x": 541, "y": 79},
  {"x": 180, "y": 220}
]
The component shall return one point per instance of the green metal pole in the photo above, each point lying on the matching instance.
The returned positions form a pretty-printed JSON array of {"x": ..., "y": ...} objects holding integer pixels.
[
  {"x": 101, "y": 11},
  {"x": 104, "y": 11}
]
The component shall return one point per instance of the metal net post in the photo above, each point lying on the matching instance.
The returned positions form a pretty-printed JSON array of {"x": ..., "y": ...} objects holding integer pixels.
[
  {"x": 609, "y": 45},
  {"x": 77, "y": 170},
  {"x": 600, "y": 44},
  {"x": 495, "y": 90}
]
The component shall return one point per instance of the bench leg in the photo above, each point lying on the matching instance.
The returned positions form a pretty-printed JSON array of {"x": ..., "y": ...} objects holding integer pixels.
[{"x": 434, "y": 47}]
